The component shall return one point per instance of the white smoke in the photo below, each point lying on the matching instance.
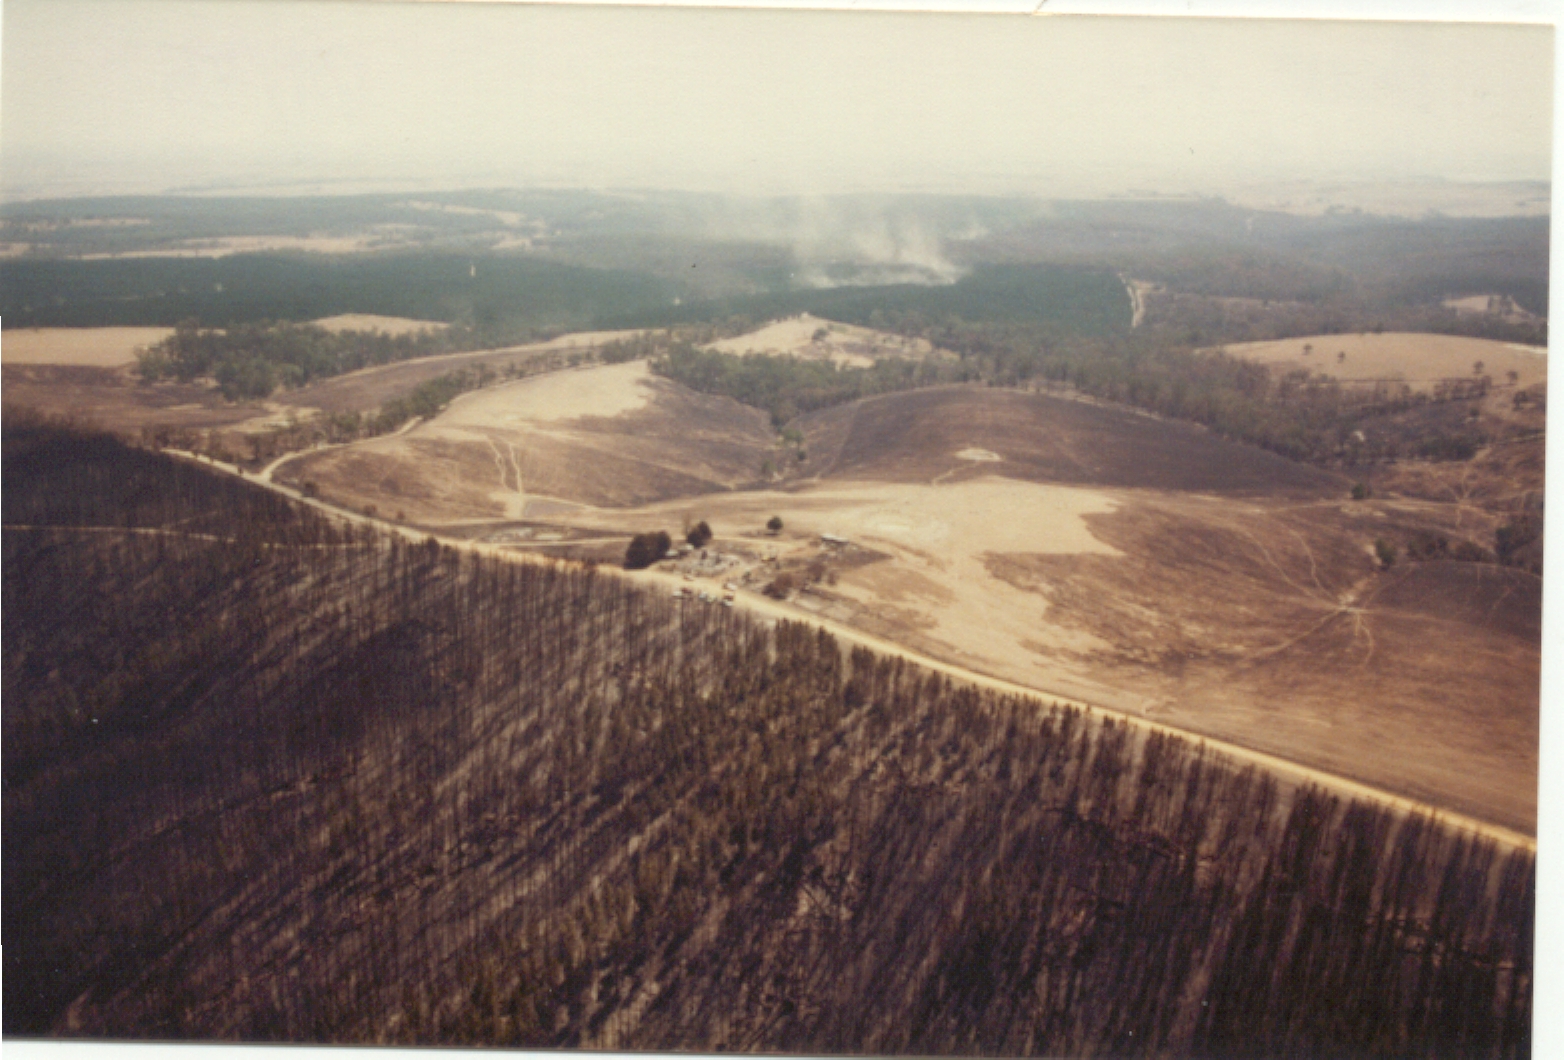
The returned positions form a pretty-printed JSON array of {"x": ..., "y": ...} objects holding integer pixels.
[
  {"x": 856, "y": 241},
  {"x": 860, "y": 244}
]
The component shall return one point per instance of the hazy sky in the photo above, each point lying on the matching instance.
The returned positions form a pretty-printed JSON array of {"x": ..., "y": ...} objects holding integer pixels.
[{"x": 159, "y": 94}]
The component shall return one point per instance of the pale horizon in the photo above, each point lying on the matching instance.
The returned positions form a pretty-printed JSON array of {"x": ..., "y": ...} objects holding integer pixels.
[{"x": 166, "y": 96}]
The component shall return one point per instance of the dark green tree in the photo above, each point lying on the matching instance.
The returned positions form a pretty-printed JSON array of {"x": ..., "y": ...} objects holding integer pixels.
[{"x": 646, "y": 549}]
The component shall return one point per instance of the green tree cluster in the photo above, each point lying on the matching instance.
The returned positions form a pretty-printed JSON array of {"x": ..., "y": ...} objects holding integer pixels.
[
  {"x": 253, "y": 360},
  {"x": 646, "y": 549}
]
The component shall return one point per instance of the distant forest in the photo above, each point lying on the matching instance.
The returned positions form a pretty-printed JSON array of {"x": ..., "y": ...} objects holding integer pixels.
[
  {"x": 490, "y": 293},
  {"x": 504, "y": 297},
  {"x": 272, "y": 778},
  {"x": 1071, "y": 298}
]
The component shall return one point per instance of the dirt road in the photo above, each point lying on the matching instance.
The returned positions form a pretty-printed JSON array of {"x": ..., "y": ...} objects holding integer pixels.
[{"x": 772, "y": 609}]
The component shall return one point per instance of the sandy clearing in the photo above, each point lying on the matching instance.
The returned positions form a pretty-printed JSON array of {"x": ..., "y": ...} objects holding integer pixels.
[
  {"x": 938, "y": 539},
  {"x": 509, "y": 218},
  {"x": 553, "y": 398},
  {"x": 371, "y": 322},
  {"x": 95, "y": 347},
  {"x": 1138, "y": 291},
  {"x": 845, "y": 344},
  {"x": 985, "y": 514},
  {"x": 1416, "y": 359},
  {"x": 938, "y": 523}
]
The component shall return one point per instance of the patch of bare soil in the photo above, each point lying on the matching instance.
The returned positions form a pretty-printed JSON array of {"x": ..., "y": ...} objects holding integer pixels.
[
  {"x": 1494, "y": 306},
  {"x": 813, "y": 338},
  {"x": 372, "y": 322}
]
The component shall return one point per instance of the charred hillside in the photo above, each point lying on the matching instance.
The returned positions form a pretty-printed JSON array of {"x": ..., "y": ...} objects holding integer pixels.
[{"x": 269, "y": 779}]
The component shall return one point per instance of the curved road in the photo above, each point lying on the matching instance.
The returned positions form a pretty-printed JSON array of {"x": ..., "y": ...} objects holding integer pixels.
[{"x": 765, "y": 606}]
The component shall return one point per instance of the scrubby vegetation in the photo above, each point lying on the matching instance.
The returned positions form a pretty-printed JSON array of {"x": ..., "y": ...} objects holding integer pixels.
[{"x": 270, "y": 779}]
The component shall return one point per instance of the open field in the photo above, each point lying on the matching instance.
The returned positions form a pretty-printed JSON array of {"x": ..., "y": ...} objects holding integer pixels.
[
  {"x": 371, "y": 322},
  {"x": 95, "y": 347},
  {"x": 497, "y": 451},
  {"x": 1071, "y": 547},
  {"x": 112, "y": 399},
  {"x": 845, "y": 344},
  {"x": 1420, "y": 361}
]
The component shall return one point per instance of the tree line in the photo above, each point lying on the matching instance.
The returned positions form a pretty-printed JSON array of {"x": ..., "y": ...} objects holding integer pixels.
[{"x": 253, "y": 360}]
